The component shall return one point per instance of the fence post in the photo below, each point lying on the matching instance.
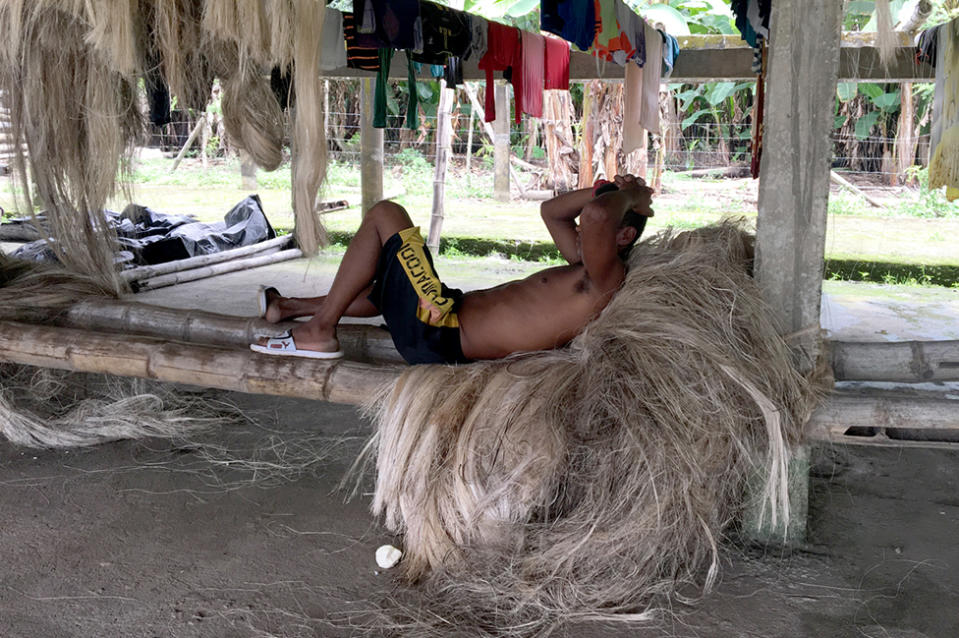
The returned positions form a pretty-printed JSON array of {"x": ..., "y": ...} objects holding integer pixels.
[
  {"x": 501, "y": 143},
  {"x": 371, "y": 150}
]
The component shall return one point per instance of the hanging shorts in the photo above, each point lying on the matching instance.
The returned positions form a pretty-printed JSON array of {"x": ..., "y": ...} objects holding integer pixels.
[{"x": 420, "y": 311}]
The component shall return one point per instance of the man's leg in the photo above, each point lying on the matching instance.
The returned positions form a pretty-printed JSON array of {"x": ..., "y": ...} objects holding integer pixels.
[
  {"x": 280, "y": 308},
  {"x": 354, "y": 275}
]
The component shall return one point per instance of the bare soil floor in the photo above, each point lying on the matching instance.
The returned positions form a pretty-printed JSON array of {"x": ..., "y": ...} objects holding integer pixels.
[{"x": 155, "y": 539}]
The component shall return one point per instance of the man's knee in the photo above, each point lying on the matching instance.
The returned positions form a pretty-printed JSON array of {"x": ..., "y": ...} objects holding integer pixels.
[{"x": 390, "y": 213}]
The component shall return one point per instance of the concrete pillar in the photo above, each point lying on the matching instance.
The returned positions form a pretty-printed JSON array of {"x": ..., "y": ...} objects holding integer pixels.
[
  {"x": 501, "y": 143},
  {"x": 371, "y": 150},
  {"x": 803, "y": 68}
]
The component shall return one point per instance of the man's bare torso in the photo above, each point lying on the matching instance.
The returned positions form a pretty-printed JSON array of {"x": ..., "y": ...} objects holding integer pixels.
[{"x": 545, "y": 310}]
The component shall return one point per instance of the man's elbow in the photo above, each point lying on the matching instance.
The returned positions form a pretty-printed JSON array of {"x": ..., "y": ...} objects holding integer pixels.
[{"x": 596, "y": 212}]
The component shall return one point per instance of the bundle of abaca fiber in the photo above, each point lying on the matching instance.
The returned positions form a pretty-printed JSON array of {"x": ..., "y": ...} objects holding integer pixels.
[
  {"x": 68, "y": 76},
  {"x": 597, "y": 481}
]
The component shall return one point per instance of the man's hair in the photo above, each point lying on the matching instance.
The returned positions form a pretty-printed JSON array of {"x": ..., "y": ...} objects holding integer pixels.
[
  {"x": 637, "y": 221},
  {"x": 631, "y": 218}
]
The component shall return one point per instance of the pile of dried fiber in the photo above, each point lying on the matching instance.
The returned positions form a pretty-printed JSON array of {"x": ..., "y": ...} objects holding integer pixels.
[{"x": 594, "y": 481}]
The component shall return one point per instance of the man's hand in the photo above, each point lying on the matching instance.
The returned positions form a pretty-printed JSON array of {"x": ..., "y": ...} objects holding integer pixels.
[{"x": 636, "y": 187}]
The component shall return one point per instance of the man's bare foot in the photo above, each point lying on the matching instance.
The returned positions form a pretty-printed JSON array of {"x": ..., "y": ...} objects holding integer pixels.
[{"x": 273, "y": 298}]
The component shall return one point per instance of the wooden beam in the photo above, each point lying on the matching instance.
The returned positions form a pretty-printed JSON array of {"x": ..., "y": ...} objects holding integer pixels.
[
  {"x": 901, "y": 361},
  {"x": 712, "y": 58}
]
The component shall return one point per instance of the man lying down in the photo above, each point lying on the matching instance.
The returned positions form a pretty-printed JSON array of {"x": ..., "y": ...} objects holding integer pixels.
[{"x": 388, "y": 270}]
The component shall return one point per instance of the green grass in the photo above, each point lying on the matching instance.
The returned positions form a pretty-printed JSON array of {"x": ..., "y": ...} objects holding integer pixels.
[{"x": 910, "y": 241}]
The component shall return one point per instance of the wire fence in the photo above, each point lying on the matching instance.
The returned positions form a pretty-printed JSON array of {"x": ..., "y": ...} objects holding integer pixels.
[{"x": 707, "y": 145}]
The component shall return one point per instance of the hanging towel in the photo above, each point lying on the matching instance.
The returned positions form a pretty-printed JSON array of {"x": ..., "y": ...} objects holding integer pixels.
[
  {"x": 652, "y": 77},
  {"x": 633, "y": 108},
  {"x": 534, "y": 63},
  {"x": 556, "y": 58},
  {"x": 332, "y": 50}
]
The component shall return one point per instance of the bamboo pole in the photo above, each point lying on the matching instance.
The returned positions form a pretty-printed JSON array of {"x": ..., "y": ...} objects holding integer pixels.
[
  {"x": 205, "y": 272},
  {"x": 441, "y": 164},
  {"x": 871, "y": 420},
  {"x": 146, "y": 272},
  {"x": 360, "y": 342},
  {"x": 238, "y": 370},
  {"x": 342, "y": 381},
  {"x": 904, "y": 361}
]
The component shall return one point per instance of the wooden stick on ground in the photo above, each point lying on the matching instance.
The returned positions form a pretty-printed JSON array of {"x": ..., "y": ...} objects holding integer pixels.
[
  {"x": 189, "y": 142},
  {"x": 837, "y": 179}
]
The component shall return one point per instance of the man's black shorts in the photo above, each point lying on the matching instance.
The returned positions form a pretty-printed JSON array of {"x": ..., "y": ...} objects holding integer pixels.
[{"x": 420, "y": 310}]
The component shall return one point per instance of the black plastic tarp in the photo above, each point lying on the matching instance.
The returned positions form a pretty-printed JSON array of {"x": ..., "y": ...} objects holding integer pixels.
[{"x": 147, "y": 237}]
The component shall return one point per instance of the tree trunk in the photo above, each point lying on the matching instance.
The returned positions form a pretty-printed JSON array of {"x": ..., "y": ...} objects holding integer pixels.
[
  {"x": 906, "y": 140},
  {"x": 558, "y": 133},
  {"x": 586, "y": 136}
]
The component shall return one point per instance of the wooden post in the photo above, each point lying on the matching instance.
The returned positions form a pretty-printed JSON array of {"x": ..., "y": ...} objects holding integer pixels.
[
  {"x": 371, "y": 150},
  {"x": 492, "y": 135},
  {"x": 247, "y": 171},
  {"x": 443, "y": 135},
  {"x": 501, "y": 143},
  {"x": 793, "y": 193},
  {"x": 469, "y": 140}
]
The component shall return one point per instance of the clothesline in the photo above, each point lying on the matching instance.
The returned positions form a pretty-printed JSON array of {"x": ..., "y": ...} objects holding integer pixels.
[{"x": 443, "y": 38}]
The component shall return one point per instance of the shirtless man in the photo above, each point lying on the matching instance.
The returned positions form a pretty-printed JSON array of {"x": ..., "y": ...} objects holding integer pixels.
[{"x": 387, "y": 270}]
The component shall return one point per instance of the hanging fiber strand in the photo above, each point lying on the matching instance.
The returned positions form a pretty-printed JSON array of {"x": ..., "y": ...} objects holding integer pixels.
[
  {"x": 79, "y": 120},
  {"x": 309, "y": 134},
  {"x": 596, "y": 481}
]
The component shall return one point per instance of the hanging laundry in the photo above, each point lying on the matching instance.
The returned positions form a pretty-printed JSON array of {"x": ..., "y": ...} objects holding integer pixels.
[
  {"x": 556, "y": 61},
  {"x": 752, "y": 19},
  {"x": 759, "y": 115},
  {"x": 652, "y": 77},
  {"x": 607, "y": 29},
  {"x": 579, "y": 22},
  {"x": 445, "y": 32},
  {"x": 358, "y": 57},
  {"x": 549, "y": 18},
  {"x": 632, "y": 43},
  {"x": 927, "y": 45},
  {"x": 478, "y": 27},
  {"x": 670, "y": 53},
  {"x": 633, "y": 108},
  {"x": 504, "y": 51},
  {"x": 281, "y": 83},
  {"x": 944, "y": 167},
  {"x": 395, "y": 23},
  {"x": 453, "y": 72},
  {"x": 332, "y": 51},
  {"x": 534, "y": 64},
  {"x": 382, "y": 86}
]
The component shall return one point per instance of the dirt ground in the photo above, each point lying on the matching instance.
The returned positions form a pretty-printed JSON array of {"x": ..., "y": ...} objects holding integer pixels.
[
  {"x": 243, "y": 532},
  {"x": 155, "y": 539}
]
